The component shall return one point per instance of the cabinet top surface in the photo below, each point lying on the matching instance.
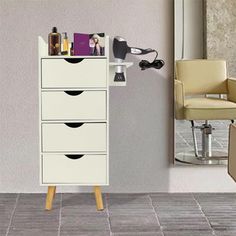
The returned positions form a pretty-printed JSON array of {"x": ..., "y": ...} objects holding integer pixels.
[{"x": 62, "y": 57}]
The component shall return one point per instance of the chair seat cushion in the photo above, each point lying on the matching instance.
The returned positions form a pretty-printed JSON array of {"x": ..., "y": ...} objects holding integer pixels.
[{"x": 209, "y": 109}]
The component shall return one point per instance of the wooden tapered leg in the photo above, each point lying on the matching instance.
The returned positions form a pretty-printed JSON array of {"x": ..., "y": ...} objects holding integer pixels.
[
  {"x": 98, "y": 198},
  {"x": 54, "y": 192},
  {"x": 50, "y": 195}
]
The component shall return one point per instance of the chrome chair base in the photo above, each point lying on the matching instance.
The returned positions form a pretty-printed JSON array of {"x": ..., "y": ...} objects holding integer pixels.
[{"x": 188, "y": 157}]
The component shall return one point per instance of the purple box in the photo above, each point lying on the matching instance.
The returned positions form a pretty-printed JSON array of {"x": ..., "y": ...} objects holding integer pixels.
[{"x": 81, "y": 44}]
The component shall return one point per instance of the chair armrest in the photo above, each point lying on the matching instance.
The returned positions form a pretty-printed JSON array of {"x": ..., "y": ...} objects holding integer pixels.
[
  {"x": 231, "y": 82},
  {"x": 179, "y": 100}
]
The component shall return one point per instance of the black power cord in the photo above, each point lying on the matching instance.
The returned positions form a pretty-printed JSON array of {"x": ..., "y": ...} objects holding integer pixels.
[{"x": 156, "y": 63}]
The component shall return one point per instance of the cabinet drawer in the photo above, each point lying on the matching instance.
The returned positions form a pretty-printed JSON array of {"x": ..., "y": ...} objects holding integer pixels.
[
  {"x": 73, "y": 72},
  {"x": 74, "y": 169},
  {"x": 74, "y": 137},
  {"x": 74, "y": 105}
]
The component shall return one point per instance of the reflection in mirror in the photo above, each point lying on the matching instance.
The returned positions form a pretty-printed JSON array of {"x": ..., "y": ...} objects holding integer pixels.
[{"x": 205, "y": 99}]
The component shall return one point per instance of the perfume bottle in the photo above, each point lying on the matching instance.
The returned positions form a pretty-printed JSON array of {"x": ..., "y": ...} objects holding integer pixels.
[
  {"x": 54, "y": 42},
  {"x": 65, "y": 43},
  {"x": 72, "y": 49}
]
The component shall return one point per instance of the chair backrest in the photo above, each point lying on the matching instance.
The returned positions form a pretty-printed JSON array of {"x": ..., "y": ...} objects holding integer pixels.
[{"x": 202, "y": 76}]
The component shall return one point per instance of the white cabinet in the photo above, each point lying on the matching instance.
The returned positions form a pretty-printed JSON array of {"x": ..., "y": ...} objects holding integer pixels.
[
  {"x": 74, "y": 120},
  {"x": 76, "y": 72}
]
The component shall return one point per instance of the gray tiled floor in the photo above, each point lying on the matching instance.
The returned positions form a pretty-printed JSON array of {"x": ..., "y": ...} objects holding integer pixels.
[
  {"x": 159, "y": 214},
  {"x": 184, "y": 139}
]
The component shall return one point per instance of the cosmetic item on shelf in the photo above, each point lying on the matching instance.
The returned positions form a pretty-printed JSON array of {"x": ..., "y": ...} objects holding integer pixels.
[
  {"x": 81, "y": 44},
  {"x": 54, "y": 42},
  {"x": 97, "y": 44},
  {"x": 65, "y": 43},
  {"x": 72, "y": 49}
]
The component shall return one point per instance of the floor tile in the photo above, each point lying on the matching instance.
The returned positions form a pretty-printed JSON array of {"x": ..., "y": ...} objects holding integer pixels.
[
  {"x": 179, "y": 211},
  {"x": 7, "y": 204},
  {"x": 139, "y": 223},
  {"x": 7, "y": 198},
  {"x": 219, "y": 208},
  {"x": 75, "y": 199},
  {"x": 130, "y": 211},
  {"x": 81, "y": 204},
  {"x": 139, "y": 234},
  {"x": 30, "y": 214},
  {"x": 188, "y": 233},
  {"x": 128, "y": 199},
  {"x": 183, "y": 221},
  {"x": 129, "y": 204},
  {"x": 182, "y": 200},
  {"x": 136, "y": 196},
  {"x": 32, "y": 232},
  {"x": 225, "y": 232},
  {"x": 84, "y": 223},
  {"x": 21, "y": 222},
  {"x": 3, "y": 231},
  {"x": 4, "y": 221},
  {"x": 77, "y": 233},
  {"x": 83, "y": 211},
  {"x": 36, "y": 201},
  {"x": 214, "y": 197},
  {"x": 176, "y": 226}
]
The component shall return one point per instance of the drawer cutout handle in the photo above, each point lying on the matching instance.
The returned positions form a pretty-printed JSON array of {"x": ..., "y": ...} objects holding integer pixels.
[
  {"x": 74, "y": 125},
  {"x": 74, "y": 60},
  {"x": 73, "y": 93},
  {"x": 74, "y": 157}
]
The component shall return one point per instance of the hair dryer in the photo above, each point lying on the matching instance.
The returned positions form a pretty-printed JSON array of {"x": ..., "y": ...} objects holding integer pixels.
[{"x": 121, "y": 48}]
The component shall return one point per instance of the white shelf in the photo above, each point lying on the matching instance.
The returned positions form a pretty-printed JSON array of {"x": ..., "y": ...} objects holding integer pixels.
[
  {"x": 112, "y": 70},
  {"x": 126, "y": 64}
]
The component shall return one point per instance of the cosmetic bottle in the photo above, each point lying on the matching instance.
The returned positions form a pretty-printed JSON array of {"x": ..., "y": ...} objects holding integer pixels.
[
  {"x": 54, "y": 42},
  {"x": 65, "y": 43},
  {"x": 72, "y": 49}
]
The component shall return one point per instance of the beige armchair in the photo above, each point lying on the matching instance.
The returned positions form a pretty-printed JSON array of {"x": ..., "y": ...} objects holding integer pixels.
[{"x": 195, "y": 82}]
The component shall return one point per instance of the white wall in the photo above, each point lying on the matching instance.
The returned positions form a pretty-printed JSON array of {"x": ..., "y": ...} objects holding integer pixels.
[
  {"x": 141, "y": 114},
  {"x": 189, "y": 29}
]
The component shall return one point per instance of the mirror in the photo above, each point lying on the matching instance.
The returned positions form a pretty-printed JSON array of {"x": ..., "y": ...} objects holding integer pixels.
[{"x": 205, "y": 42}]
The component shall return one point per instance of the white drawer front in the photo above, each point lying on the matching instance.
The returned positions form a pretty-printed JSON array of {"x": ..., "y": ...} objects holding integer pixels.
[
  {"x": 61, "y": 169},
  {"x": 87, "y": 137},
  {"x": 59, "y": 73},
  {"x": 74, "y": 105}
]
